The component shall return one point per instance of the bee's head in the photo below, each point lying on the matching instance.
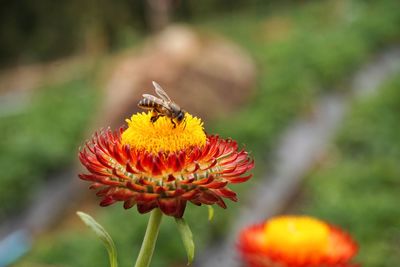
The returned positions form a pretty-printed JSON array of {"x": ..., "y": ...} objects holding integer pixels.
[{"x": 181, "y": 116}]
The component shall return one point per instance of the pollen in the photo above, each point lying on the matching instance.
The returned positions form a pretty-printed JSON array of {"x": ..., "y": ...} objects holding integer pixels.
[
  {"x": 162, "y": 136},
  {"x": 297, "y": 237}
]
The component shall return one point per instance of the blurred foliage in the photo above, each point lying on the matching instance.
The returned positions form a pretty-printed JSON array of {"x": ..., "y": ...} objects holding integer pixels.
[
  {"x": 301, "y": 50},
  {"x": 46, "y": 29},
  {"x": 358, "y": 186},
  {"x": 41, "y": 139},
  {"x": 127, "y": 230}
]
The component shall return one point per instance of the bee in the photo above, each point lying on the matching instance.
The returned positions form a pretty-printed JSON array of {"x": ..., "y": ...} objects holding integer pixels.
[{"x": 162, "y": 106}]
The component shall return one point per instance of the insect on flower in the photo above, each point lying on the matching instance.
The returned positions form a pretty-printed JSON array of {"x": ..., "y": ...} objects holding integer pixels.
[
  {"x": 163, "y": 106},
  {"x": 152, "y": 165}
]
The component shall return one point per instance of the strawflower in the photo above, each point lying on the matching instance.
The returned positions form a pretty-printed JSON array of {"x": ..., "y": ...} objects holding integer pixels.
[
  {"x": 296, "y": 241},
  {"x": 153, "y": 165},
  {"x": 161, "y": 161}
]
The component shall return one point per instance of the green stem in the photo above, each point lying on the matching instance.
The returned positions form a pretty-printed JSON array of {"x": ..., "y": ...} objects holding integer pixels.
[{"x": 150, "y": 238}]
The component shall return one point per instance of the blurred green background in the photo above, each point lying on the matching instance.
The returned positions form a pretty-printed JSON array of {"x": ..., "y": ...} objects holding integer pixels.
[{"x": 301, "y": 49}]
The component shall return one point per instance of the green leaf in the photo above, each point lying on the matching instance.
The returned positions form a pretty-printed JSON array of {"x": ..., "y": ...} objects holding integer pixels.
[
  {"x": 187, "y": 238},
  {"x": 103, "y": 235},
  {"x": 210, "y": 212}
]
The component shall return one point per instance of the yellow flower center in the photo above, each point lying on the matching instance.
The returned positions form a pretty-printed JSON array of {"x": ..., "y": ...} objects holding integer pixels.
[
  {"x": 161, "y": 135},
  {"x": 297, "y": 237}
]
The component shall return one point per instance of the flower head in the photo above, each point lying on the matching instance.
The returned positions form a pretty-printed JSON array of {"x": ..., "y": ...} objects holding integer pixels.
[
  {"x": 155, "y": 164},
  {"x": 296, "y": 241}
]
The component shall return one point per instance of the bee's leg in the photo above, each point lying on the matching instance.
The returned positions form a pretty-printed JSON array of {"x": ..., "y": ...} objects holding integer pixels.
[
  {"x": 153, "y": 119},
  {"x": 154, "y": 116},
  {"x": 173, "y": 123}
]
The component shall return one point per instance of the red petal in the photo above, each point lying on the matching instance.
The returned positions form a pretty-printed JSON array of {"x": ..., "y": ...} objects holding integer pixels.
[
  {"x": 146, "y": 207},
  {"x": 190, "y": 194},
  {"x": 107, "y": 201},
  {"x": 135, "y": 187},
  {"x": 171, "y": 178},
  {"x": 146, "y": 197},
  {"x": 95, "y": 186},
  {"x": 237, "y": 180},
  {"x": 119, "y": 155},
  {"x": 139, "y": 166},
  {"x": 217, "y": 184},
  {"x": 227, "y": 193},
  {"x": 101, "y": 158},
  {"x": 129, "y": 203},
  {"x": 156, "y": 167},
  {"x": 129, "y": 168},
  {"x": 168, "y": 205},
  {"x": 119, "y": 174}
]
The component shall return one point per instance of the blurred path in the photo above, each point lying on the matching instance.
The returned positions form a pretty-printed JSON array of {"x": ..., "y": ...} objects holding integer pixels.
[
  {"x": 16, "y": 87},
  {"x": 301, "y": 146},
  {"x": 17, "y": 234},
  {"x": 29, "y": 77},
  {"x": 18, "y": 83}
]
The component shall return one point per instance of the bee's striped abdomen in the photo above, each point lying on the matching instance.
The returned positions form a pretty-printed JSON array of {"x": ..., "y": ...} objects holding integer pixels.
[{"x": 147, "y": 104}]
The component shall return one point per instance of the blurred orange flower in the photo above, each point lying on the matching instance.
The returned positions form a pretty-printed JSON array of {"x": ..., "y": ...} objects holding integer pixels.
[
  {"x": 154, "y": 165},
  {"x": 296, "y": 241}
]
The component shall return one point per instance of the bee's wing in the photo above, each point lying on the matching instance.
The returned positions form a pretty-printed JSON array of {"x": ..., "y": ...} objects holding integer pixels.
[
  {"x": 161, "y": 92},
  {"x": 157, "y": 100},
  {"x": 154, "y": 99}
]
